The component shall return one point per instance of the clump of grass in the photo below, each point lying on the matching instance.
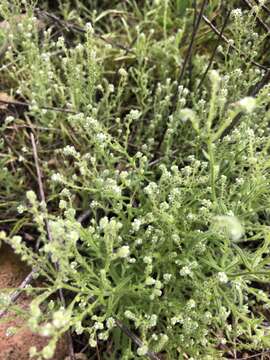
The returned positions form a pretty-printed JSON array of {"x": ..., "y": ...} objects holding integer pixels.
[{"x": 171, "y": 179}]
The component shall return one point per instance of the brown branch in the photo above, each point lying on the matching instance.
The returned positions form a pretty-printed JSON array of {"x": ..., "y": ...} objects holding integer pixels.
[
  {"x": 253, "y": 356},
  {"x": 73, "y": 27},
  {"x": 196, "y": 26},
  {"x": 27, "y": 105},
  {"x": 16, "y": 294},
  {"x": 260, "y": 21},
  {"x": 212, "y": 26},
  {"x": 215, "y": 50},
  {"x": 135, "y": 339}
]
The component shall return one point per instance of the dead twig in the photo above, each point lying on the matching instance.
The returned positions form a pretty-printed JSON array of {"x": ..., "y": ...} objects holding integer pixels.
[
  {"x": 190, "y": 48},
  {"x": 40, "y": 185},
  {"x": 73, "y": 27},
  {"x": 16, "y": 294},
  {"x": 259, "y": 20},
  {"x": 196, "y": 22},
  {"x": 212, "y": 26},
  {"x": 135, "y": 339},
  {"x": 253, "y": 356},
  {"x": 215, "y": 50},
  {"x": 28, "y": 105}
]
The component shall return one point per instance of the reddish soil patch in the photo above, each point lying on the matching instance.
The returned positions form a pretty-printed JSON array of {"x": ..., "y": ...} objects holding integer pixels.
[{"x": 15, "y": 347}]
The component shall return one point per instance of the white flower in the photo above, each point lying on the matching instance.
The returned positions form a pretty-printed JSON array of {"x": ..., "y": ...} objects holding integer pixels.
[
  {"x": 188, "y": 114},
  {"x": 101, "y": 137},
  {"x": 89, "y": 28},
  {"x": 48, "y": 351},
  {"x": 142, "y": 350},
  {"x": 69, "y": 150},
  {"x": 167, "y": 277},
  {"x": 230, "y": 225},
  {"x": 134, "y": 114},
  {"x": 62, "y": 204},
  {"x": 123, "y": 72},
  {"x": 31, "y": 196},
  {"x": 150, "y": 281},
  {"x": 214, "y": 76},
  {"x": 153, "y": 320},
  {"x": 236, "y": 13},
  {"x": 129, "y": 315},
  {"x": 247, "y": 104},
  {"x": 147, "y": 260},
  {"x": 21, "y": 209},
  {"x": 110, "y": 323},
  {"x": 191, "y": 304},
  {"x": 136, "y": 224},
  {"x": 46, "y": 330},
  {"x": 60, "y": 318},
  {"x": 222, "y": 277},
  {"x": 111, "y": 88},
  {"x": 123, "y": 251},
  {"x": 92, "y": 342},
  {"x": 57, "y": 178},
  {"x": 185, "y": 271}
]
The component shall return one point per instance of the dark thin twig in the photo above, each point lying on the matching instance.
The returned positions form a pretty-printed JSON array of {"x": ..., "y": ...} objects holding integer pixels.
[
  {"x": 190, "y": 48},
  {"x": 260, "y": 21},
  {"x": 135, "y": 339},
  {"x": 27, "y": 104},
  {"x": 215, "y": 50},
  {"x": 182, "y": 73},
  {"x": 253, "y": 356},
  {"x": 70, "y": 26},
  {"x": 16, "y": 294},
  {"x": 40, "y": 185},
  {"x": 190, "y": 67},
  {"x": 212, "y": 26}
]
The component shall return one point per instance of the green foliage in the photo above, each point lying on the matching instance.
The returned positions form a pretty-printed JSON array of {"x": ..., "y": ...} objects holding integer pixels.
[{"x": 176, "y": 243}]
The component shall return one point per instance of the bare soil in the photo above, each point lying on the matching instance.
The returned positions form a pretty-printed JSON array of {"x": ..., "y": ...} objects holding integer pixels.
[{"x": 15, "y": 347}]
